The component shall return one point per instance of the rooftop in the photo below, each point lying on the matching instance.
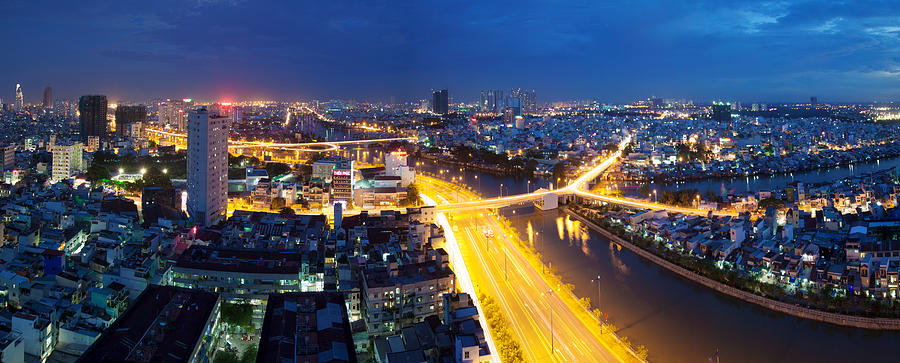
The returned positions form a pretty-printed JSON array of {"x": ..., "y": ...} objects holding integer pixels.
[
  {"x": 306, "y": 327},
  {"x": 164, "y": 325}
]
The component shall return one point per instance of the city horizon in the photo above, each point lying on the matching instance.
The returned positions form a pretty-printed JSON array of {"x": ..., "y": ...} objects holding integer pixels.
[{"x": 770, "y": 52}]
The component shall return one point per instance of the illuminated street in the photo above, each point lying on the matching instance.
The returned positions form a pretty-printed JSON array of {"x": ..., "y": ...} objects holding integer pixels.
[{"x": 499, "y": 268}]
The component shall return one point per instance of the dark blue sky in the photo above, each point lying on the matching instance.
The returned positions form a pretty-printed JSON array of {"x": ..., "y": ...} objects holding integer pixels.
[{"x": 609, "y": 50}]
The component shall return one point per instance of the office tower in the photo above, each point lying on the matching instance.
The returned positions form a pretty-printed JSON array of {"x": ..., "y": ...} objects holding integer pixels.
[
  {"x": 20, "y": 99},
  {"x": 236, "y": 115},
  {"x": 126, "y": 115},
  {"x": 93, "y": 116},
  {"x": 515, "y": 104},
  {"x": 47, "y": 99},
  {"x": 66, "y": 160},
  {"x": 175, "y": 112},
  {"x": 207, "y": 172},
  {"x": 814, "y": 101},
  {"x": 527, "y": 99},
  {"x": 440, "y": 103},
  {"x": 721, "y": 111},
  {"x": 337, "y": 171},
  {"x": 492, "y": 101},
  {"x": 9, "y": 156},
  {"x": 342, "y": 183},
  {"x": 509, "y": 116}
]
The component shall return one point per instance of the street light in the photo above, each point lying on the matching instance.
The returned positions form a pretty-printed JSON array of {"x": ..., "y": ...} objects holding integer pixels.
[
  {"x": 550, "y": 303},
  {"x": 599, "y": 306}
]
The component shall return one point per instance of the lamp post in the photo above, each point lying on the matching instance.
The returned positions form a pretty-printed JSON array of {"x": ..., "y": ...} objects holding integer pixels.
[
  {"x": 501, "y": 190},
  {"x": 549, "y": 294},
  {"x": 655, "y": 198},
  {"x": 599, "y": 305}
]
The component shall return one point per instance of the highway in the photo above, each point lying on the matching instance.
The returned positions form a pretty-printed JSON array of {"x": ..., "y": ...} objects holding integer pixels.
[
  {"x": 578, "y": 187},
  {"x": 500, "y": 269},
  {"x": 286, "y": 146}
]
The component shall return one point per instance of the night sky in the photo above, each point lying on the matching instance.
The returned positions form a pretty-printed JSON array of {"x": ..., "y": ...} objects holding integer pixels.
[{"x": 614, "y": 51}]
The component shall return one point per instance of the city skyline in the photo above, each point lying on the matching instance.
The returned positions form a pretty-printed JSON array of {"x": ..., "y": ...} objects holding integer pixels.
[{"x": 773, "y": 52}]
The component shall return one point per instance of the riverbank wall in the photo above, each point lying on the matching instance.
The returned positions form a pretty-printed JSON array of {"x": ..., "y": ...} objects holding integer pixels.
[{"x": 790, "y": 309}]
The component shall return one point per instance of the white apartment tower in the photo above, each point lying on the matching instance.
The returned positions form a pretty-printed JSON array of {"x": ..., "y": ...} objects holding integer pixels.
[
  {"x": 67, "y": 160},
  {"x": 207, "y": 172}
]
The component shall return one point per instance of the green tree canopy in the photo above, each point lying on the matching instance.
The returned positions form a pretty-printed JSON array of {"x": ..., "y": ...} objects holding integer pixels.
[
  {"x": 240, "y": 314},
  {"x": 276, "y": 169},
  {"x": 278, "y": 203}
]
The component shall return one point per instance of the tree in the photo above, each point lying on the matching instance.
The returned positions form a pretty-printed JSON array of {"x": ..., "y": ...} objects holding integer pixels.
[
  {"x": 559, "y": 172},
  {"x": 104, "y": 157},
  {"x": 286, "y": 211},
  {"x": 413, "y": 196},
  {"x": 240, "y": 314},
  {"x": 644, "y": 190},
  {"x": 156, "y": 178},
  {"x": 226, "y": 356},
  {"x": 278, "y": 203},
  {"x": 98, "y": 171},
  {"x": 276, "y": 169}
]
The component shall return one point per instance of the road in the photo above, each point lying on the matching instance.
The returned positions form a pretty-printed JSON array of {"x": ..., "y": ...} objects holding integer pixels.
[
  {"x": 578, "y": 187},
  {"x": 500, "y": 269}
]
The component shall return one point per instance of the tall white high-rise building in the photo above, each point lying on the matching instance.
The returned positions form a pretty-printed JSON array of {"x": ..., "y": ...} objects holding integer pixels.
[
  {"x": 207, "y": 171},
  {"x": 20, "y": 99},
  {"x": 67, "y": 160}
]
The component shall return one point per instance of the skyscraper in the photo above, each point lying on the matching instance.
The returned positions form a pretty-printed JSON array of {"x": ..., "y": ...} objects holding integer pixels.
[
  {"x": 440, "y": 103},
  {"x": 207, "y": 171},
  {"x": 814, "y": 101},
  {"x": 174, "y": 113},
  {"x": 126, "y": 115},
  {"x": 93, "y": 116},
  {"x": 528, "y": 101},
  {"x": 20, "y": 99},
  {"x": 492, "y": 101},
  {"x": 47, "y": 99}
]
